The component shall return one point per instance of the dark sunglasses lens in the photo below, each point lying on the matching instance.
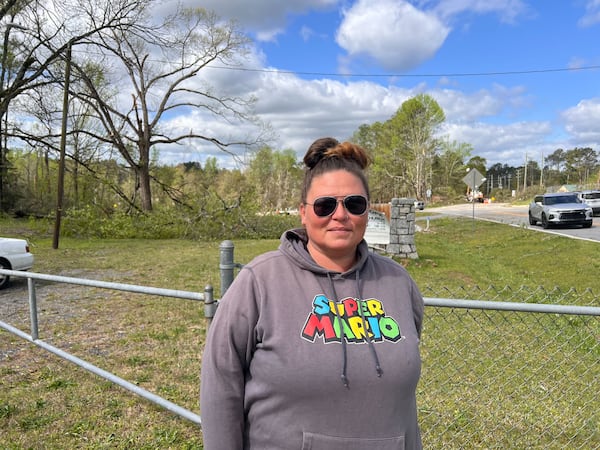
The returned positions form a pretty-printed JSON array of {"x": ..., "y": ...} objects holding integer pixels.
[
  {"x": 324, "y": 206},
  {"x": 355, "y": 204}
]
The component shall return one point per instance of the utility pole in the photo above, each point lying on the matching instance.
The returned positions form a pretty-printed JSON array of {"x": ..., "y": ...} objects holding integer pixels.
[
  {"x": 63, "y": 144},
  {"x": 525, "y": 174},
  {"x": 542, "y": 172}
]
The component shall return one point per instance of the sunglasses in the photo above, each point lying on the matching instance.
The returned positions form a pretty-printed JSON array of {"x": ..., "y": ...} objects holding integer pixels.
[{"x": 326, "y": 206}]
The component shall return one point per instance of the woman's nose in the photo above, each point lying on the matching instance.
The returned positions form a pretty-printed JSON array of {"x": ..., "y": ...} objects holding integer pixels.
[{"x": 340, "y": 212}]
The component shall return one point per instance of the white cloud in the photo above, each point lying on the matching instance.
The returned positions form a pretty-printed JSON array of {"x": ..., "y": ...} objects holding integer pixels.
[
  {"x": 497, "y": 101},
  {"x": 582, "y": 120},
  {"x": 394, "y": 33},
  {"x": 303, "y": 110},
  {"x": 300, "y": 111},
  {"x": 592, "y": 14},
  {"x": 464, "y": 108},
  {"x": 308, "y": 33},
  {"x": 507, "y": 10},
  {"x": 263, "y": 18},
  {"x": 506, "y": 143}
]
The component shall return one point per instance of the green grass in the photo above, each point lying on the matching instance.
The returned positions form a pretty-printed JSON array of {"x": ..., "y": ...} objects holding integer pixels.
[
  {"x": 454, "y": 255},
  {"x": 156, "y": 343}
]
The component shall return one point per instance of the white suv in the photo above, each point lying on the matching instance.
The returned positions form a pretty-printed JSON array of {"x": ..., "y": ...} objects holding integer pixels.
[
  {"x": 592, "y": 198},
  {"x": 562, "y": 208}
]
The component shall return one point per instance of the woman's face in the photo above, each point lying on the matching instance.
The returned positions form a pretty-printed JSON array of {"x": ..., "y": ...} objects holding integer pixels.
[{"x": 337, "y": 235}]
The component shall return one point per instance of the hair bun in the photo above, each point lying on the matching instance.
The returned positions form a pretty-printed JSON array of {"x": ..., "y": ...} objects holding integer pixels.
[
  {"x": 330, "y": 148},
  {"x": 318, "y": 150},
  {"x": 350, "y": 151}
]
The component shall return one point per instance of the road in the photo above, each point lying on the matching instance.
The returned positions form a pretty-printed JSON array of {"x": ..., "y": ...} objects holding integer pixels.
[{"x": 511, "y": 215}]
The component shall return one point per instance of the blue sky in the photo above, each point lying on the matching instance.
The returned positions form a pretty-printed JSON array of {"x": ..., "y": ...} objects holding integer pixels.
[{"x": 516, "y": 79}]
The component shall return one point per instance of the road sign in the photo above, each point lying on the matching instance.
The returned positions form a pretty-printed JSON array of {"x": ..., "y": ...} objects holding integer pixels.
[{"x": 474, "y": 178}]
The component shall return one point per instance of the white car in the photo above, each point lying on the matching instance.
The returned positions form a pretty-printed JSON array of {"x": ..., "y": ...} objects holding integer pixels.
[
  {"x": 591, "y": 198},
  {"x": 14, "y": 255},
  {"x": 563, "y": 208}
]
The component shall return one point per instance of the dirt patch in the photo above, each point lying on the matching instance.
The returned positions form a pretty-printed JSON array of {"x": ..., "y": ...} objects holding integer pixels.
[{"x": 57, "y": 303}]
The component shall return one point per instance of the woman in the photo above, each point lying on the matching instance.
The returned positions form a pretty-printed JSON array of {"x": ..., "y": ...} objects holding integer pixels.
[{"x": 315, "y": 345}]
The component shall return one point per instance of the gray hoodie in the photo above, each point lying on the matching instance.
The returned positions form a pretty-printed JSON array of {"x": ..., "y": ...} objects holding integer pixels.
[{"x": 276, "y": 375}]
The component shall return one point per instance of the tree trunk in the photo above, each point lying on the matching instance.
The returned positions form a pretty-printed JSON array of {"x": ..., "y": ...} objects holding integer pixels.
[{"x": 143, "y": 173}]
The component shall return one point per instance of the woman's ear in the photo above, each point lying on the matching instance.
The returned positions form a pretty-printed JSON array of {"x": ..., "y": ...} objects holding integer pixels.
[{"x": 302, "y": 212}]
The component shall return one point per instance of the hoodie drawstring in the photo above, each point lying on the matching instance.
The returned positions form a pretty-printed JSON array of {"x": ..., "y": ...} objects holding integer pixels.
[
  {"x": 369, "y": 341},
  {"x": 342, "y": 338},
  {"x": 340, "y": 322}
]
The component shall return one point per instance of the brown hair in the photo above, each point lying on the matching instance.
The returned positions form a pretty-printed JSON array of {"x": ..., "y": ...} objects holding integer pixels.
[{"x": 327, "y": 154}]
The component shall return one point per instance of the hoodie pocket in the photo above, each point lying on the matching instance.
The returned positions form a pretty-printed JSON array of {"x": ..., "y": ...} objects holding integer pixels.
[{"x": 313, "y": 441}]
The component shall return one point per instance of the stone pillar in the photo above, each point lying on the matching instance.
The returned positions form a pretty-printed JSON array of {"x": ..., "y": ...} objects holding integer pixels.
[{"x": 402, "y": 229}]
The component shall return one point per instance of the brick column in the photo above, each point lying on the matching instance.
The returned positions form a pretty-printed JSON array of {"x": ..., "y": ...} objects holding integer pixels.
[{"x": 402, "y": 229}]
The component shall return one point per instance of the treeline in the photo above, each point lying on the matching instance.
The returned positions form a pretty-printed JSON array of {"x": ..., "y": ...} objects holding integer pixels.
[
  {"x": 195, "y": 201},
  {"x": 578, "y": 167}
]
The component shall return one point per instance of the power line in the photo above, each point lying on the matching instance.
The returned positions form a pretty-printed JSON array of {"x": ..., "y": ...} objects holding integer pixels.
[
  {"x": 406, "y": 75},
  {"x": 379, "y": 75}
]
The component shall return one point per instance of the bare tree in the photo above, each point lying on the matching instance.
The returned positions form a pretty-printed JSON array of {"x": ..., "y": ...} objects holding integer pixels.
[
  {"x": 43, "y": 106},
  {"x": 161, "y": 67},
  {"x": 37, "y": 34}
]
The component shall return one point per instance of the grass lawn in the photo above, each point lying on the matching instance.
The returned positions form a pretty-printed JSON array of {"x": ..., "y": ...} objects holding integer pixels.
[{"x": 46, "y": 402}]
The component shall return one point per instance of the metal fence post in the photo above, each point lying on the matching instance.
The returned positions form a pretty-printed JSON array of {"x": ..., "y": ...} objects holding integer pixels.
[
  {"x": 33, "y": 313},
  {"x": 226, "y": 265},
  {"x": 210, "y": 306}
]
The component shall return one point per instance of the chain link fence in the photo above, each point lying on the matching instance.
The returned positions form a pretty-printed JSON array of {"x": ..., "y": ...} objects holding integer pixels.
[
  {"x": 496, "y": 379},
  {"x": 491, "y": 379}
]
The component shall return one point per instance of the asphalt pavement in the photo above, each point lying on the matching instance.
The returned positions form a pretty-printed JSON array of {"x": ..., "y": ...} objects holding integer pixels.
[{"x": 509, "y": 214}]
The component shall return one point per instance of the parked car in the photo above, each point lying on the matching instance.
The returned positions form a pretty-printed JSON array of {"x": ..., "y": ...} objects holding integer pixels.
[
  {"x": 14, "y": 255},
  {"x": 563, "y": 208},
  {"x": 592, "y": 198},
  {"x": 419, "y": 204}
]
